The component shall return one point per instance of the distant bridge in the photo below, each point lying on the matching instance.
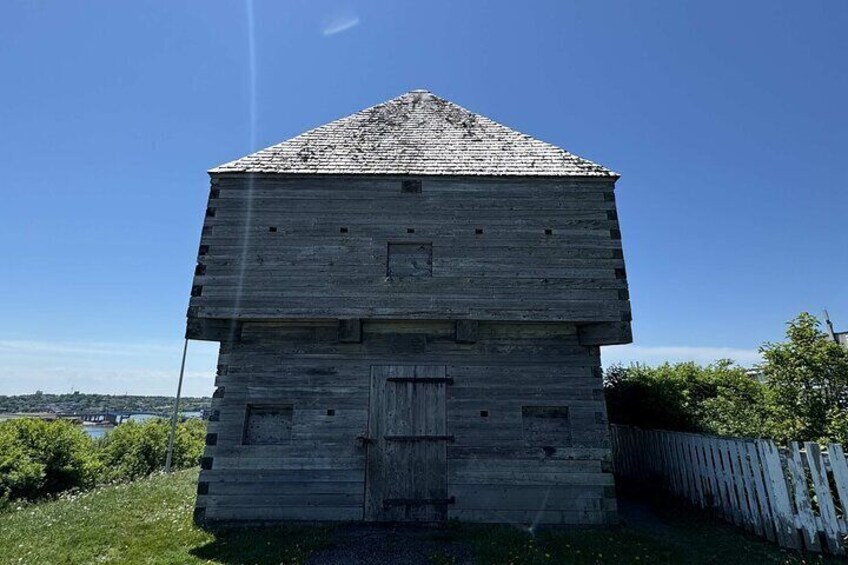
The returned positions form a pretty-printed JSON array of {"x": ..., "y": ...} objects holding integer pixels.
[{"x": 113, "y": 418}]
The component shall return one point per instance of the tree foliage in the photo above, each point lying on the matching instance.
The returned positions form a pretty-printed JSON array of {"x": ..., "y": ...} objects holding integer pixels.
[
  {"x": 81, "y": 402},
  {"x": 807, "y": 382},
  {"x": 133, "y": 449},
  {"x": 719, "y": 398},
  {"x": 40, "y": 458},
  {"x": 800, "y": 393}
]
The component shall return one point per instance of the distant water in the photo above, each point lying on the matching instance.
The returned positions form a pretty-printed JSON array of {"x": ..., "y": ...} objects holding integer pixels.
[
  {"x": 96, "y": 431},
  {"x": 100, "y": 431}
]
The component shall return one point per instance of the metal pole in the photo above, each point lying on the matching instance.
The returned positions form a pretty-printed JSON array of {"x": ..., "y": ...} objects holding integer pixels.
[
  {"x": 829, "y": 326},
  {"x": 176, "y": 412}
]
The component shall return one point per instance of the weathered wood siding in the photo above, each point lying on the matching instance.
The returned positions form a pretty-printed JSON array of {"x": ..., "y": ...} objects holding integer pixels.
[
  {"x": 500, "y": 467},
  {"x": 286, "y": 247}
]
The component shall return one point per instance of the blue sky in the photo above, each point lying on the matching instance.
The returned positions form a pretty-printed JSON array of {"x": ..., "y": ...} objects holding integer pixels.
[{"x": 727, "y": 120}]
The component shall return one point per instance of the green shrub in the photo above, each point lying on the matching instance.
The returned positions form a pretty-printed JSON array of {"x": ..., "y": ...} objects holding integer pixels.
[
  {"x": 189, "y": 443},
  {"x": 39, "y": 458},
  {"x": 134, "y": 450},
  {"x": 719, "y": 398}
]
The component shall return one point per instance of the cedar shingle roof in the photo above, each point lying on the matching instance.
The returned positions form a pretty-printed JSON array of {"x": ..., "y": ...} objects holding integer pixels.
[{"x": 416, "y": 133}]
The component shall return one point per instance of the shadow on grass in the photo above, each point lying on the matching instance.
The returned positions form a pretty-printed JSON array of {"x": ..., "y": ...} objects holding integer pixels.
[
  {"x": 697, "y": 535},
  {"x": 265, "y": 545}
]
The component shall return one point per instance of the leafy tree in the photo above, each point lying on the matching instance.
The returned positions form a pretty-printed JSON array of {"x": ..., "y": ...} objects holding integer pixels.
[{"x": 807, "y": 380}]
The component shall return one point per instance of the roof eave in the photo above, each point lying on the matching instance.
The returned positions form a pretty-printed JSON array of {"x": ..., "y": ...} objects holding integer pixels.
[{"x": 218, "y": 172}]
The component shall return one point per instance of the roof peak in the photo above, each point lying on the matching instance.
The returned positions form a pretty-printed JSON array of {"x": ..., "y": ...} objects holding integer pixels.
[{"x": 416, "y": 133}]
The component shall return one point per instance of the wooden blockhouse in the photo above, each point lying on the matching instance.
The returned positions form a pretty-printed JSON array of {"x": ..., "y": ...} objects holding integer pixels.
[{"x": 410, "y": 303}]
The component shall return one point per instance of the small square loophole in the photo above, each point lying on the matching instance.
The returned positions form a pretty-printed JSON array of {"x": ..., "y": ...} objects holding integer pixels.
[
  {"x": 272, "y": 229},
  {"x": 342, "y": 230},
  {"x": 410, "y": 186},
  {"x": 484, "y": 413},
  {"x": 331, "y": 412},
  {"x": 478, "y": 231},
  {"x": 410, "y": 230},
  {"x": 549, "y": 231}
]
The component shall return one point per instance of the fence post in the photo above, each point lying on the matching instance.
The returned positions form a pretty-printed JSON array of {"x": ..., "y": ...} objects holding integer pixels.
[
  {"x": 769, "y": 518},
  {"x": 818, "y": 473},
  {"x": 787, "y": 533},
  {"x": 839, "y": 468}
]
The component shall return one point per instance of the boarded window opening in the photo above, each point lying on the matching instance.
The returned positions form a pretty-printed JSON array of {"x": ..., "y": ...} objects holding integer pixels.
[
  {"x": 546, "y": 426},
  {"x": 410, "y": 186},
  {"x": 409, "y": 260},
  {"x": 267, "y": 424}
]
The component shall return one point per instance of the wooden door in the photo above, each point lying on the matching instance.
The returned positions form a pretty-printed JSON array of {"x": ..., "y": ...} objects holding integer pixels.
[{"x": 406, "y": 479}]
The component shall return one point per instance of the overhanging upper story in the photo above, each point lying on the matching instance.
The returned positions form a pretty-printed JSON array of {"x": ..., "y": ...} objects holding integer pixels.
[{"x": 415, "y": 209}]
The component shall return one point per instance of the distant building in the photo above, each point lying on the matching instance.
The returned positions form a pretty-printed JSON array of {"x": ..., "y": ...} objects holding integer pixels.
[
  {"x": 756, "y": 374},
  {"x": 839, "y": 337}
]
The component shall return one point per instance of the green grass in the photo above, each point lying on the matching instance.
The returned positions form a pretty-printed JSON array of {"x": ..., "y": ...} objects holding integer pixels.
[
  {"x": 146, "y": 521},
  {"x": 686, "y": 538},
  {"x": 149, "y": 522}
]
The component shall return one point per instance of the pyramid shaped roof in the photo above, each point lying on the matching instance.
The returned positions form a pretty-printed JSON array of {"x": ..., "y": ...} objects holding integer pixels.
[{"x": 417, "y": 133}]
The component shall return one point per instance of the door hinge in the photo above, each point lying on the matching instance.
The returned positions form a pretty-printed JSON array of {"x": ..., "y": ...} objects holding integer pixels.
[
  {"x": 420, "y": 438},
  {"x": 390, "y": 502},
  {"x": 438, "y": 380}
]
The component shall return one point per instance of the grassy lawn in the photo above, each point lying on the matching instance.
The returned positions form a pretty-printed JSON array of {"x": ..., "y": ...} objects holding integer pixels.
[
  {"x": 146, "y": 521},
  {"x": 149, "y": 521}
]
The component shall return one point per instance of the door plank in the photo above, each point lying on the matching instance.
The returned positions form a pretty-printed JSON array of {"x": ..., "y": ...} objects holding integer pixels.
[{"x": 407, "y": 454}]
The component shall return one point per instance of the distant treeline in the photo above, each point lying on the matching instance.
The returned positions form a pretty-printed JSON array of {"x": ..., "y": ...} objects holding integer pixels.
[{"x": 80, "y": 402}]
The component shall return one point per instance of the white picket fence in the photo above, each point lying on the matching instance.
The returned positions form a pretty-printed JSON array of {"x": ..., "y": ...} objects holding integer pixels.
[{"x": 796, "y": 497}]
